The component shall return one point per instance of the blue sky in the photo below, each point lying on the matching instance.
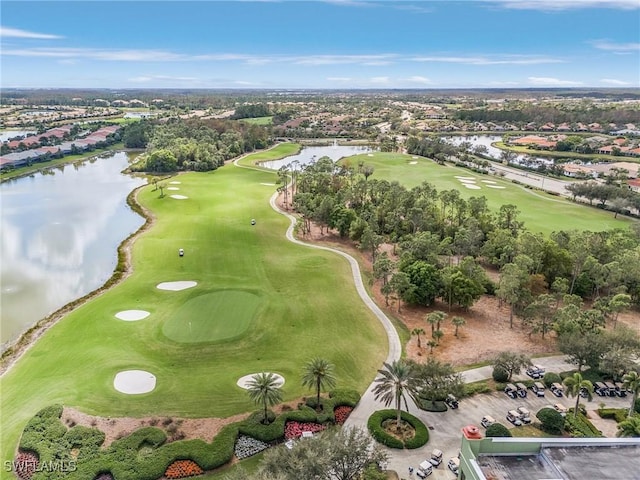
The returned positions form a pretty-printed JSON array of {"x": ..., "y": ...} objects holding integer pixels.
[{"x": 320, "y": 44}]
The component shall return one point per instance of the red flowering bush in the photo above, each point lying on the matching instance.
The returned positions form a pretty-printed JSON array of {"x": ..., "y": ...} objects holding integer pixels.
[
  {"x": 25, "y": 465},
  {"x": 183, "y": 469},
  {"x": 342, "y": 413},
  {"x": 295, "y": 429}
]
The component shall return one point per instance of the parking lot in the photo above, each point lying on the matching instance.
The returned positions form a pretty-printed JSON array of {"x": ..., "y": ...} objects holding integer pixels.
[{"x": 445, "y": 428}]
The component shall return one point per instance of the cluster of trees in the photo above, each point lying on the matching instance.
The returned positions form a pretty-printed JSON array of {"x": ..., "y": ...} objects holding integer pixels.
[
  {"x": 194, "y": 144},
  {"x": 440, "y": 241},
  {"x": 251, "y": 111},
  {"x": 615, "y": 197}
]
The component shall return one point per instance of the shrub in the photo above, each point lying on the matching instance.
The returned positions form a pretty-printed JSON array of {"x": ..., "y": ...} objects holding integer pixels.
[
  {"x": 551, "y": 420},
  {"x": 618, "y": 414},
  {"x": 374, "y": 424},
  {"x": 470, "y": 389},
  {"x": 499, "y": 374},
  {"x": 551, "y": 377},
  {"x": 581, "y": 426},
  {"x": 429, "y": 406},
  {"x": 497, "y": 430},
  {"x": 636, "y": 407}
]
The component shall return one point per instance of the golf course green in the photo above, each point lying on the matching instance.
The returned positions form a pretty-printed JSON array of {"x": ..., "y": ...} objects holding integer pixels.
[
  {"x": 540, "y": 211},
  {"x": 260, "y": 303}
]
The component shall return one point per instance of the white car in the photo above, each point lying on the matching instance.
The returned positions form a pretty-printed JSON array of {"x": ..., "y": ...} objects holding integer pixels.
[{"x": 454, "y": 465}]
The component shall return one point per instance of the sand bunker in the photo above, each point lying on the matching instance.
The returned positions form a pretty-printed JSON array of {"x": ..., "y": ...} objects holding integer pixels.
[
  {"x": 471, "y": 186},
  {"x": 132, "y": 315},
  {"x": 175, "y": 183},
  {"x": 134, "y": 382},
  {"x": 495, "y": 186},
  {"x": 488, "y": 181},
  {"x": 414, "y": 157},
  {"x": 466, "y": 181},
  {"x": 268, "y": 184},
  {"x": 412, "y": 163},
  {"x": 464, "y": 178},
  {"x": 173, "y": 188},
  {"x": 243, "y": 382},
  {"x": 179, "y": 197},
  {"x": 369, "y": 154},
  {"x": 176, "y": 286}
]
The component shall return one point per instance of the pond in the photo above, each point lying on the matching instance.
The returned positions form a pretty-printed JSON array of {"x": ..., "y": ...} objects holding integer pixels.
[
  {"x": 311, "y": 154},
  {"x": 494, "y": 152},
  {"x": 59, "y": 236}
]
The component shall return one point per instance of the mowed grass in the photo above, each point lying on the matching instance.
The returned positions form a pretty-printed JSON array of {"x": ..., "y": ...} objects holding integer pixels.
[
  {"x": 281, "y": 150},
  {"x": 308, "y": 307},
  {"x": 258, "y": 120},
  {"x": 541, "y": 212}
]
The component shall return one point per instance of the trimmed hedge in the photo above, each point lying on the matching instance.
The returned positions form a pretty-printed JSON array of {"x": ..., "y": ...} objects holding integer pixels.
[
  {"x": 617, "y": 414},
  {"x": 470, "y": 389},
  {"x": 497, "y": 430},
  {"x": 499, "y": 374},
  {"x": 551, "y": 377},
  {"x": 374, "y": 424},
  {"x": 581, "y": 426},
  {"x": 429, "y": 406},
  {"x": 144, "y": 454}
]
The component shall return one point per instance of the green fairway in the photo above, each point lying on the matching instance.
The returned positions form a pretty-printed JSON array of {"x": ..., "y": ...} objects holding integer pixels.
[
  {"x": 297, "y": 304},
  {"x": 276, "y": 153},
  {"x": 541, "y": 212},
  {"x": 258, "y": 120},
  {"x": 212, "y": 317}
]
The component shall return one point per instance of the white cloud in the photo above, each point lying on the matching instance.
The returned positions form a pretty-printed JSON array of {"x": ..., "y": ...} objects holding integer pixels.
[
  {"x": 382, "y": 59},
  {"x": 616, "y": 47},
  {"x": 552, "y": 82},
  {"x": 557, "y": 5},
  {"x": 613, "y": 81},
  {"x": 418, "y": 79},
  {"x": 490, "y": 60},
  {"x": 379, "y": 80},
  {"x": 17, "y": 33}
]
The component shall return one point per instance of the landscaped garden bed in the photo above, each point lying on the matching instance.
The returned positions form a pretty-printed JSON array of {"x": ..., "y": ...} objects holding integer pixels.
[
  {"x": 247, "y": 447},
  {"x": 382, "y": 426},
  {"x": 183, "y": 469},
  {"x": 342, "y": 413},
  {"x": 293, "y": 430}
]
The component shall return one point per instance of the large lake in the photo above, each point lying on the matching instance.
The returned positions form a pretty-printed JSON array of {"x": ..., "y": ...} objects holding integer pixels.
[
  {"x": 311, "y": 154},
  {"x": 59, "y": 237}
]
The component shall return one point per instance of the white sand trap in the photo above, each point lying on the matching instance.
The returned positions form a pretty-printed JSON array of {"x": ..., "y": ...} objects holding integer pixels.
[
  {"x": 471, "y": 186},
  {"x": 496, "y": 186},
  {"x": 132, "y": 315},
  {"x": 472, "y": 182},
  {"x": 179, "y": 197},
  {"x": 176, "y": 286},
  {"x": 243, "y": 382},
  {"x": 269, "y": 184},
  {"x": 175, "y": 183},
  {"x": 464, "y": 178},
  {"x": 134, "y": 382},
  {"x": 369, "y": 154},
  {"x": 488, "y": 181},
  {"x": 413, "y": 163},
  {"x": 173, "y": 188},
  {"x": 414, "y": 157}
]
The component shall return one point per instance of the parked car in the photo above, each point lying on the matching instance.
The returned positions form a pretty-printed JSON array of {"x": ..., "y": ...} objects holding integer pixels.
[
  {"x": 436, "y": 458},
  {"x": 514, "y": 417},
  {"x": 560, "y": 408},
  {"x": 522, "y": 389},
  {"x": 538, "y": 389},
  {"x": 454, "y": 465},
  {"x": 600, "y": 389},
  {"x": 511, "y": 390},
  {"x": 535, "y": 371},
  {"x": 584, "y": 393},
  {"x": 556, "y": 389},
  {"x": 451, "y": 401},
  {"x": 425, "y": 468},
  {"x": 621, "y": 391},
  {"x": 525, "y": 414},
  {"x": 611, "y": 388},
  {"x": 487, "y": 420}
]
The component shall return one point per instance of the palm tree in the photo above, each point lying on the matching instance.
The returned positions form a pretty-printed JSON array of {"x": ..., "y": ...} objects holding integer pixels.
[
  {"x": 318, "y": 374},
  {"x": 395, "y": 382},
  {"x": 418, "y": 332},
  {"x": 458, "y": 322},
  {"x": 629, "y": 427},
  {"x": 574, "y": 385},
  {"x": 631, "y": 381},
  {"x": 434, "y": 319},
  {"x": 437, "y": 335},
  {"x": 431, "y": 344},
  {"x": 265, "y": 388}
]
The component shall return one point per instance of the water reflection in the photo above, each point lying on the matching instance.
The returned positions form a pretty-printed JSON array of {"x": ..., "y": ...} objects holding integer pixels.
[
  {"x": 59, "y": 237},
  {"x": 311, "y": 154}
]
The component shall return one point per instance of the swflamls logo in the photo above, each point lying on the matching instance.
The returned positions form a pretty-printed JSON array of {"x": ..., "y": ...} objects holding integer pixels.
[{"x": 34, "y": 466}]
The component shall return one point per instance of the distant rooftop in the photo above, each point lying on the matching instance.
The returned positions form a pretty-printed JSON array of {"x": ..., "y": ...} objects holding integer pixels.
[{"x": 565, "y": 462}]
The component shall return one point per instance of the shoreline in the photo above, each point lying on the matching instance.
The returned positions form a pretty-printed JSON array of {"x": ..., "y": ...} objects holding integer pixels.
[{"x": 121, "y": 272}]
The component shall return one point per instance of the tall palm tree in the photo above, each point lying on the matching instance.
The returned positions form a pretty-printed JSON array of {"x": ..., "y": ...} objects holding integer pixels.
[
  {"x": 574, "y": 385},
  {"x": 417, "y": 332},
  {"x": 629, "y": 427},
  {"x": 264, "y": 388},
  {"x": 434, "y": 319},
  {"x": 318, "y": 374},
  {"x": 458, "y": 322},
  {"x": 631, "y": 381},
  {"x": 437, "y": 335},
  {"x": 395, "y": 382}
]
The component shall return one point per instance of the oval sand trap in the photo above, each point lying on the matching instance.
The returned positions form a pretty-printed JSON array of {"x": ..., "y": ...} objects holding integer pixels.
[
  {"x": 413, "y": 163},
  {"x": 243, "y": 382},
  {"x": 466, "y": 181},
  {"x": 471, "y": 186},
  {"x": 173, "y": 188},
  {"x": 132, "y": 315},
  {"x": 464, "y": 178},
  {"x": 268, "y": 184},
  {"x": 176, "y": 286},
  {"x": 179, "y": 197},
  {"x": 175, "y": 183},
  {"x": 495, "y": 186},
  {"x": 369, "y": 154},
  {"x": 488, "y": 181},
  {"x": 134, "y": 382}
]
